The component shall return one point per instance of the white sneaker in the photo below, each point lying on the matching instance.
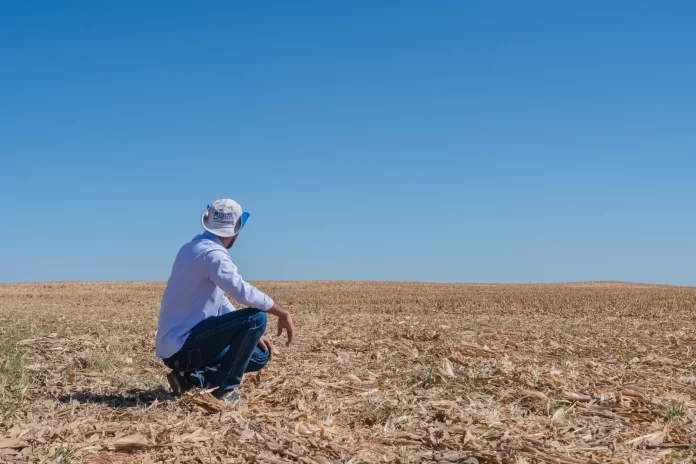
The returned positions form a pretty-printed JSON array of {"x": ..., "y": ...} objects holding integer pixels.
[{"x": 233, "y": 397}]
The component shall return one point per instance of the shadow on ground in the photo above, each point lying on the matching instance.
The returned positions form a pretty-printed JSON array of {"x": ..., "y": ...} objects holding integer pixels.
[{"x": 132, "y": 398}]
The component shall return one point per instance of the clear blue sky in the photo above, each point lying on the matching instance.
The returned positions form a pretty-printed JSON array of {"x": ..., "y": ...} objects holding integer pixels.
[{"x": 483, "y": 141}]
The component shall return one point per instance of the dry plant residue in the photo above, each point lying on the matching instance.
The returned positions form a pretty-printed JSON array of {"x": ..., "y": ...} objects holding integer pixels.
[{"x": 381, "y": 372}]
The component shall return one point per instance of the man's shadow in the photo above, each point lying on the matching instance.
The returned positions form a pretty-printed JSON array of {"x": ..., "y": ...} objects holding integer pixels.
[{"x": 134, "y": 397}]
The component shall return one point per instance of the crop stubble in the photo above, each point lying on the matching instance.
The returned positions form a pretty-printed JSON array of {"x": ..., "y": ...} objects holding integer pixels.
[{"x": 380, "y": 372}]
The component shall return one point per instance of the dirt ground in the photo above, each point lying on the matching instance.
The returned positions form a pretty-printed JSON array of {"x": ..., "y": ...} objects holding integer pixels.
[{"x": 380, "y": 372}]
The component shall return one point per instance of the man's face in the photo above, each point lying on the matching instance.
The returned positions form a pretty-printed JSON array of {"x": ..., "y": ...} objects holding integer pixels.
[{"x": 234, "y": 239}]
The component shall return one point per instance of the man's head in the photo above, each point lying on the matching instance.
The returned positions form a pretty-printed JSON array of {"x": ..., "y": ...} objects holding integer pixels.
[{"x": 225, "y": 219}]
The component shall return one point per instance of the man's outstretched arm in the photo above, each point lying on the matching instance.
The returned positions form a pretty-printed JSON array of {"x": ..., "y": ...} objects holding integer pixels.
[{"x": 223, "y": 273}]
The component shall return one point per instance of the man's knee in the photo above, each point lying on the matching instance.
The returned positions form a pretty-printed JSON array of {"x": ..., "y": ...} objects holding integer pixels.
[
  {"x": 256, "y": 317},
  {"x": 260, "y": 318}
]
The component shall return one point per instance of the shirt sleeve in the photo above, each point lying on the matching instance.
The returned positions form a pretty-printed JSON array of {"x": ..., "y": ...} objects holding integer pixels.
[{"x": 223, "y": 273}]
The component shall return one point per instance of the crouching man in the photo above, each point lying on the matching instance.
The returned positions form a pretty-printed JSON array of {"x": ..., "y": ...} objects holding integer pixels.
[{"x": 200, "y": 335}]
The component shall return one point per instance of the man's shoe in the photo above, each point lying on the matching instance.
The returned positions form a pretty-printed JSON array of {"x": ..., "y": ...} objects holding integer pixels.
[
  {"x": 178, "y": 383},
  {"x": 232, "y": 397}
]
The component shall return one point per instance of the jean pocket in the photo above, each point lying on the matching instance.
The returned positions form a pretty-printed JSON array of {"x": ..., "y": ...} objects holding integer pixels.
[
  {"x": 194, "y": 360},
  {"x": 185, "y": 360},
  {"x": 177, "y": 362}
]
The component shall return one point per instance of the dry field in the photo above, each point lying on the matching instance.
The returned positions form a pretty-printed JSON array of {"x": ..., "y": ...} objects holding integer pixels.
[{"x": 380, "y": 372}]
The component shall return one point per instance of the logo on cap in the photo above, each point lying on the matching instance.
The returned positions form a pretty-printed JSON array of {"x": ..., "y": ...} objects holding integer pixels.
[{"x": 223, "y": 217}]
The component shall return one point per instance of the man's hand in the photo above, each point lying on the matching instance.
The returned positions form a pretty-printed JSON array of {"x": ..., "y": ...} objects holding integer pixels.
[
  {"x": 266, "y": 345},
  {"x": 284, "y": 321}
]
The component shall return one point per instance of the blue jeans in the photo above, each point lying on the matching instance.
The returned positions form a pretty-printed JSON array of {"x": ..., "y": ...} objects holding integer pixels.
[{"x": 220, "y": 349}]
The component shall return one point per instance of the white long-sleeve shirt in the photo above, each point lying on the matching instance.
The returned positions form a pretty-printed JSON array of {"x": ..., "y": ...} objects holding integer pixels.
[{"x": 202, "y": 273}]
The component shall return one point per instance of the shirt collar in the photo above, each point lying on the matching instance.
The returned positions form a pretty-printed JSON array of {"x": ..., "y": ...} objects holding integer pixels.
[{"x": 212, "y": 237}]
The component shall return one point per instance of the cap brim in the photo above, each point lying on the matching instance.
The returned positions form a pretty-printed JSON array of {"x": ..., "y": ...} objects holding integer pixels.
[{"x": 223, "y": 231}]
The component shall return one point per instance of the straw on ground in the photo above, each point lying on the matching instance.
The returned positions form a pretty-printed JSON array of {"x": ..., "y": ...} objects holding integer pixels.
[{"x": 381, "y": 372}]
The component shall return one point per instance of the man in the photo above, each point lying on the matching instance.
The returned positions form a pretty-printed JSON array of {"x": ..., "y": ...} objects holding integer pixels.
[{"x": 200, "y": 335}]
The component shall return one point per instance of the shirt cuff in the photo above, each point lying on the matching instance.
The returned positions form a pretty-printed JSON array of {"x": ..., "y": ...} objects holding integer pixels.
[{"x": 267, "y": 304}]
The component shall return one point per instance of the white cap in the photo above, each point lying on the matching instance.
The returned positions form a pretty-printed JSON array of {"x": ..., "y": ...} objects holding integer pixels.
[{"x": 225, "y": 218}]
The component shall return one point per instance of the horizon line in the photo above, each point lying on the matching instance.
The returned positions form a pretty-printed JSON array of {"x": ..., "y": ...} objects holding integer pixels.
[{"x": 578, "y": 282}]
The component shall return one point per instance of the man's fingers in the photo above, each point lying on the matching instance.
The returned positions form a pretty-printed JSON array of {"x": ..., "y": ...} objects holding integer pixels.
[
  {"x": 285, "y": 322},
  {"x": 262, "y": 345},
  {"x": 289, "y": 330}
]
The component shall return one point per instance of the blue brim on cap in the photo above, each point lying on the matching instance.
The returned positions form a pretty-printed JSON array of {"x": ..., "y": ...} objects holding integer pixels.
[{"x": 245, "y": 216}]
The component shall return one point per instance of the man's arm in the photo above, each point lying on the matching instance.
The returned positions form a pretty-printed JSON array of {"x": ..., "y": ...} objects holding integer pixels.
[{"x": 224, "y": 274}]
